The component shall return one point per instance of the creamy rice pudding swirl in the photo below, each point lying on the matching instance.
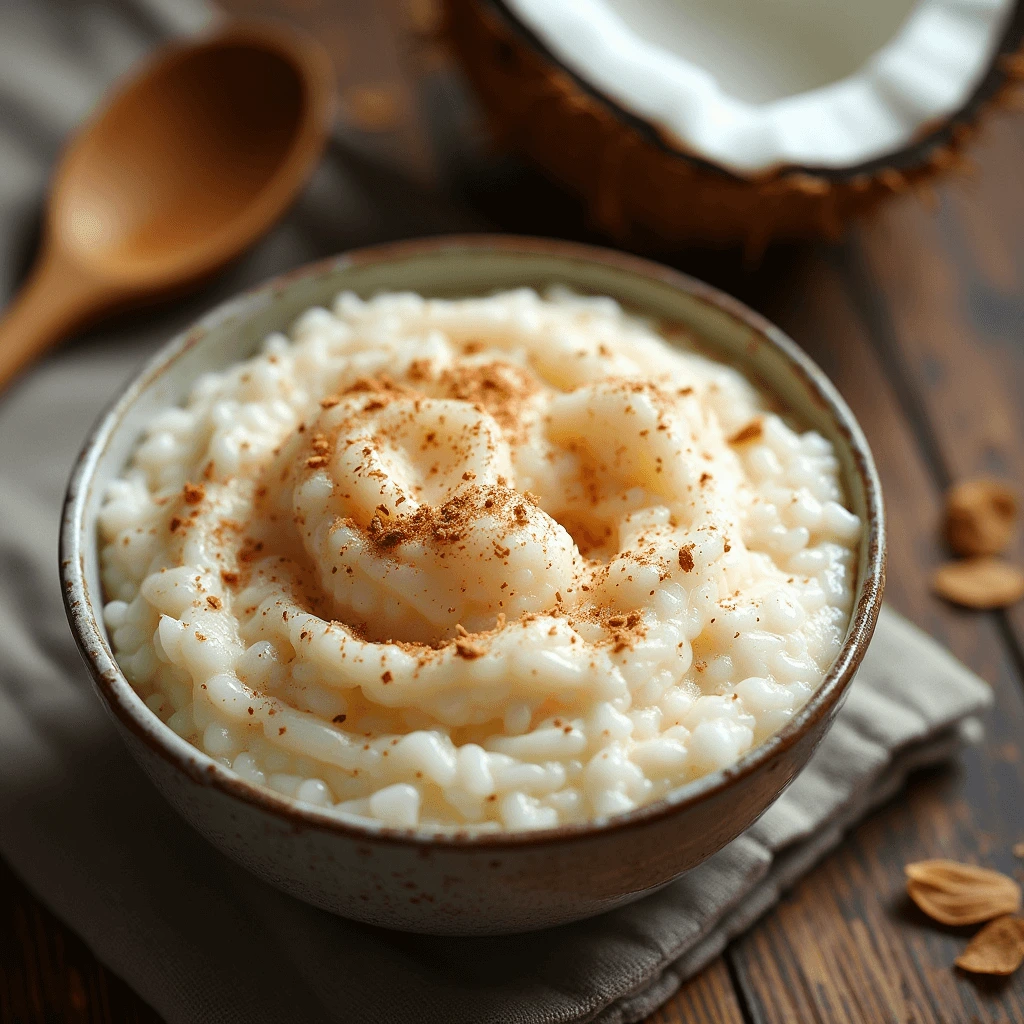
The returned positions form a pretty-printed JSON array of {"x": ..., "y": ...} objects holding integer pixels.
[{"x": 495, "y": 563}]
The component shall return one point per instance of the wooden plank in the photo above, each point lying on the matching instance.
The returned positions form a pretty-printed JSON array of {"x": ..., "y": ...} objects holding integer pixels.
[
  {"x": 951, "y": 285},
  {"x": 710, "y": 998},
  {"x": 845, "y": 945}
]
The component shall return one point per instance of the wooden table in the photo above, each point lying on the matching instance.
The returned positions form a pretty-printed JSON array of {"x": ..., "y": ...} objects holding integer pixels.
[{"x": 918, "y": 317}]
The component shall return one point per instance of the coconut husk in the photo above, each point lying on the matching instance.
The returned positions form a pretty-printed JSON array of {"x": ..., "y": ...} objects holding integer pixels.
[{"x": 644, "y": 191}]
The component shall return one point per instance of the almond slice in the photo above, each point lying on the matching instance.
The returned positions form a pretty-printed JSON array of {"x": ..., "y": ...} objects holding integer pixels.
[
  {"x": 958, "y": 894},
  {"x": 979, "y": 583},
  {"x": 997, "y": 949},
  {"x": 980, "y": 516}
]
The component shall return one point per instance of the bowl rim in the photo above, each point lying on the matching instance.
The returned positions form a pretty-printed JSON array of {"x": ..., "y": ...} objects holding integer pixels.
[{"x": 129, "y": 710}]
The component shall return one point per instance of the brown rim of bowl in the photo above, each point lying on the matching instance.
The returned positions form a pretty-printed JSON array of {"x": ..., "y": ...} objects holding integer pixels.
[{"x": 126, "y": 705}]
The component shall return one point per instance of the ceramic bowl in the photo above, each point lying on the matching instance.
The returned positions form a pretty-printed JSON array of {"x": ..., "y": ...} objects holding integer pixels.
[{"x": 460, "y": 883}]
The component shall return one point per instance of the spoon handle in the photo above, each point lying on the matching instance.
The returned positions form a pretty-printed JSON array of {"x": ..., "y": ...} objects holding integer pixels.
[{"x": 54, "y": 300}]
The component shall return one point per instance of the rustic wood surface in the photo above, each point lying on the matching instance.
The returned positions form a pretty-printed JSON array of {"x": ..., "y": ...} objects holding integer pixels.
[{"x": 918, "y": 317}]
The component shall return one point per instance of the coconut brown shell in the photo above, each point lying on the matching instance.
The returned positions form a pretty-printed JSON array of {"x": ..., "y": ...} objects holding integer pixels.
[{"x": 644, "y": 191}]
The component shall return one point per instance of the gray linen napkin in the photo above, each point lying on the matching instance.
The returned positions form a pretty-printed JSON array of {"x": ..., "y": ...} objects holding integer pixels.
[{"x": 196, "y": 936}]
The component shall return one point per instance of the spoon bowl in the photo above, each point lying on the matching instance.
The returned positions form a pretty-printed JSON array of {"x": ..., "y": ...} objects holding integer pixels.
[{"x": 183, "y": 167}]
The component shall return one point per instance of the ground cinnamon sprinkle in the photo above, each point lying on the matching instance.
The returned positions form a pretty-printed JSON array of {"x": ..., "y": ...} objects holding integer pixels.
[
  {"x": 750, "y": 432},
  {"x": 379, "y": 541},
  {"x": 468, "y": 650},
  {"x": 250, "y": 550},
  {"x": 448, "y": 523},
  {"x": 419, "y": 370},
  {"x": 382, "y": 384},
  {"x": 499, "y": 387},
  {"x": 626, "y": 630},
  {"x": 502, "y": 389}
]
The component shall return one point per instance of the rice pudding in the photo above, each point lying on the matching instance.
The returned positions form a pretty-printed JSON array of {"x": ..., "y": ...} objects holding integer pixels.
[{"x": 484, "y": 564}]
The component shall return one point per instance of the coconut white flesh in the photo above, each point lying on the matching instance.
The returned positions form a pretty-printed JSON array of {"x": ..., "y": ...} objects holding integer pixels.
[{"x": 754, "y": 84}]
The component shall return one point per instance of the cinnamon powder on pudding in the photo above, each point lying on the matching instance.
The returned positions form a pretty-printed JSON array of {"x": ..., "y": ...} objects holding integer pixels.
[{"x": 468, "y": 554}]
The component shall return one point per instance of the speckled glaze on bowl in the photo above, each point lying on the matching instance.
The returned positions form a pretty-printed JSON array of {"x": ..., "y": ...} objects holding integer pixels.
[{"x": 464, "y": 884}]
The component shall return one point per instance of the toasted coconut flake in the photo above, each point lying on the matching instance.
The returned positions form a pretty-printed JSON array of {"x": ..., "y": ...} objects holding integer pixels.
[
  {"x": 979, "y": 582},
  {"x": 1018, "y": 850},
  {"x": 997, "y": 949},
  {"x": 958, "y": 894},
  {"x": 980, "y": 517}
]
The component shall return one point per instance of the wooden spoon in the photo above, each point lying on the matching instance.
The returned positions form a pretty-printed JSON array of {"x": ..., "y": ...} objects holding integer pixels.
[{"x": 183, "y": 167}]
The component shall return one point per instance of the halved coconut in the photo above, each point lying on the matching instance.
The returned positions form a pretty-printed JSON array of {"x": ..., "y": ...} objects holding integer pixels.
[{"x": 738, "y": 120}]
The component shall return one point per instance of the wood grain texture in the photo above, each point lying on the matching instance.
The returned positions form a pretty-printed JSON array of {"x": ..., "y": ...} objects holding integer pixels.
[
  {"x": 710, "y": 998},
  {"x": 847, "y": 936},
  {"x": 919, "y": 319},
  {"x": 47, "y": 974},
  {"x": 953, "y": 290}
]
